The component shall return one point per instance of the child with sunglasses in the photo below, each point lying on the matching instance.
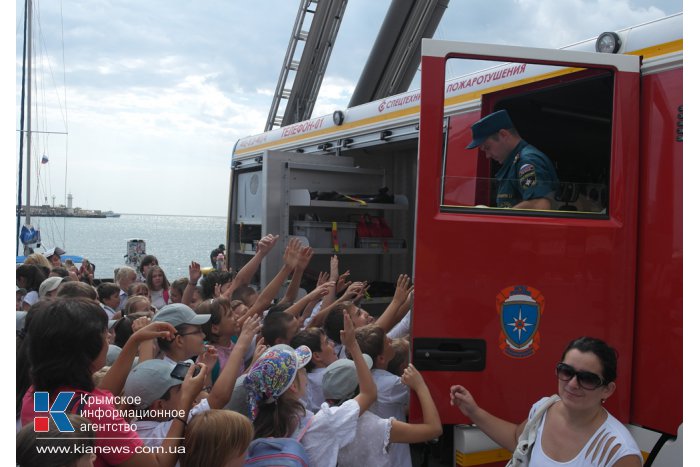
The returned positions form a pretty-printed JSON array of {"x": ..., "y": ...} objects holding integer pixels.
[{"x": 575, "y": 429}]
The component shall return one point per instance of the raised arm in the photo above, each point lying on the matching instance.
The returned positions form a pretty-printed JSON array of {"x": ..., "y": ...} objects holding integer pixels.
[
  {"x": 431, "y": 427},
  {"x": 223, "y": 388},
  {"x": 293, "y": 289},
  {"x": 195, "y": 271},
  {"x": 310, "y": 299},
  {"x": 391, "y": 315},
  {"x": 500, "y": 431},
  {"x": 350, "y": 294},
  {"x": 115, "y": 378},
  {"x": 368, "y": 389},
  {"x": 291, "y": 257},
  {"x": 265, "y": 245}
]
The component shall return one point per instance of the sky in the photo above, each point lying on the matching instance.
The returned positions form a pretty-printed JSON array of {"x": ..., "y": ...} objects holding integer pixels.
[{"x": 154, "y": 94}]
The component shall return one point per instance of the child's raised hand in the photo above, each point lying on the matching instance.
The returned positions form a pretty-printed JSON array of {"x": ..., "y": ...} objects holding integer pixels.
[
  {"x": 322, "y": 290},
  {"x": 322, "y": 278},
  {"x": 195, "y": 272},
  {"x": 347, "y": 334},
  {"x": 260, "y": 348},
  {"x": 140, "y": 323},
  {"x": 251, "y": 326},
  {"x": 342, "y": 282},
  {"x": 305, "y": 256},
  {"x": 267, "y": 243},
  {"x": 154, "y": 330},
  {"x": 412, "y": 377},
  {"x": 291, "y": 254},
  {"x": 192, "y": 385},
  {"x": 403, "y": 288},
  {"x": 209, "y": 357}
]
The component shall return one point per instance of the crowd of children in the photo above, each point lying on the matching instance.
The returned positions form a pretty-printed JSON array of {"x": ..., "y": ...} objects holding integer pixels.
[{"x": 206, "y": 370}]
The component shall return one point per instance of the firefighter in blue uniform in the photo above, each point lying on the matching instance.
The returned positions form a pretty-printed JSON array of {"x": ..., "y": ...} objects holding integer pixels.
[{"x": 527, "y": 178}]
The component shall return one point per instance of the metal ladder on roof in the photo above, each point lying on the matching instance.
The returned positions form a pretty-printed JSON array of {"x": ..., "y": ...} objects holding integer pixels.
[{"x": 305, "y": 67}]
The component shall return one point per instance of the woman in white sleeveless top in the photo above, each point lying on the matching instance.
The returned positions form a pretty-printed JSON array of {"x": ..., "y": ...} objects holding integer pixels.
[{"x": 576, "y": 430}]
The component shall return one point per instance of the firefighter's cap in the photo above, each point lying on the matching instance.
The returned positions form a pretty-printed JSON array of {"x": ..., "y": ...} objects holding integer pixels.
[{"x": 489, "y": 125}]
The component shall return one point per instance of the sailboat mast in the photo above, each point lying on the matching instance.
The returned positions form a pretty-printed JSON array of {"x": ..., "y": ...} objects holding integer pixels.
[
  {"x": 21, "y": 127},
  {"x": 29, "y": 111}
]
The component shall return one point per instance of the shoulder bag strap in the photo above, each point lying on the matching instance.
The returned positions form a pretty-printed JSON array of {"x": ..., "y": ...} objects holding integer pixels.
[{"x": 306, "y": 427}]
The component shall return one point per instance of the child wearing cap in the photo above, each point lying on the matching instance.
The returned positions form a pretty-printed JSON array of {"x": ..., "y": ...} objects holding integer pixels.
[
  {"x": 275, "y": 385},
  {"x": 189, "y": 339},
  {"x": 373, "y": 441},
  {"x": 160, "y": 392},
  {"x": 49, "y": 287}
]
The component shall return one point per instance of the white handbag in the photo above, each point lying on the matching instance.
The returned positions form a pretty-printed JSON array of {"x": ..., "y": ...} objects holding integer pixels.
[{"x": 521, "y": 455}]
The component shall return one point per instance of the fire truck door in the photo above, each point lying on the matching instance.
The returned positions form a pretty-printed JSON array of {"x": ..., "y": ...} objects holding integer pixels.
[{"x": 500, "y": 292}]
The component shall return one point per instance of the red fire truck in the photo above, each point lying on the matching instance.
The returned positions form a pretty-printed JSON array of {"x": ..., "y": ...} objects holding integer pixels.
[{"x": 500, "y": 292}]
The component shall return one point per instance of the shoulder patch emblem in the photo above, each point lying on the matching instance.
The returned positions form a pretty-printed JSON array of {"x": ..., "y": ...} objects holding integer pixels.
[{"x": 525, "y": 168}]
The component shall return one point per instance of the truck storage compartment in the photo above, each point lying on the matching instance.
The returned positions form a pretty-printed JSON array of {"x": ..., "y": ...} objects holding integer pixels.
[
  {"x": 381, "y": 242},
  {"x": 320, "y": 234}
]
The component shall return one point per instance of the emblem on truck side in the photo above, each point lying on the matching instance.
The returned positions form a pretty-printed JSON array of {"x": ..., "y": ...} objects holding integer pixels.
[{"x": 519, "y": 308}]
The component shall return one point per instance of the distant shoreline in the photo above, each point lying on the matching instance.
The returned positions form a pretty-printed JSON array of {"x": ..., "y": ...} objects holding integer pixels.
[
  {"x": 136, "y": 214},
  {"x": 167, "y": 215}
]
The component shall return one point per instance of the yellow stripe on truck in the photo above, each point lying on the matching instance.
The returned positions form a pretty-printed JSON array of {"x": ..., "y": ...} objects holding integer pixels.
[
  {"x": 481, "y": 457},
  {"x": 494, "y": 455}
]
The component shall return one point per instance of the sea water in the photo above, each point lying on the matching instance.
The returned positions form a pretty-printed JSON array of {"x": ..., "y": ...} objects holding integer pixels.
[{"x": 175, "y": 240}]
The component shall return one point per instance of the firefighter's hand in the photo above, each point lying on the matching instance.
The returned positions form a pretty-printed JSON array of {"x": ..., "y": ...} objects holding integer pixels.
[{"x": 463, "y": 400}]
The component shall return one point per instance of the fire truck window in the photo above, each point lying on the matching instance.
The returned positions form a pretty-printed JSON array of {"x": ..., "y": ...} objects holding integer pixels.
[{"x": 567, "y": 119}]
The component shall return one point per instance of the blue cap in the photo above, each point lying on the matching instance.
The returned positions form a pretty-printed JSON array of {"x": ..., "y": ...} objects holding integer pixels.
[{"x": 489, "y": 125}]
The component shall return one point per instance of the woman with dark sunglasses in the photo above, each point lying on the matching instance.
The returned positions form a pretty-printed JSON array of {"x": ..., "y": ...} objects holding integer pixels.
[{"x": 575, "y": 429}]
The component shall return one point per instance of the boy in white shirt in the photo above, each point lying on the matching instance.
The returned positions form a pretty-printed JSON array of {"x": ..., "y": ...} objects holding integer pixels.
[{"x": 392, "y": 394}]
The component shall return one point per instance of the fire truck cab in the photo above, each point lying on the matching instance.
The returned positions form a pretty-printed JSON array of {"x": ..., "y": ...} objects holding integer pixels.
[{"x": 500, "y": 292}]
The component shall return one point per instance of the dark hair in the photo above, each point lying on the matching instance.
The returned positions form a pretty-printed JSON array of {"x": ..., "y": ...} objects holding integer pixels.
[
  {"x": 334, "y": 321},
  {"x": 281, "y": 306},
  {"x": 131, "y": 290},
  {"x": 165, "y": 344},
  {"x": 217, "y": 308},
  {"x": 24, "y": 380},
  {"x": 65, "y": 338},
  {"x": 33, "y": 275},
  {"x": 242, "y": 293},
  {"x": 278, "y": 419},
  {"x": 180, "y": 285},
  {"x": 64, "y": 454},
  {"x": 310, "y": 337},
  {"x": 275, "y": 326},
  {"x": 400, "y": 360},
  {"x": 149, "y": 277},
  {"x": 60, "y": 272},
  {"x": 371, "y": 340},
  {"x": 74, "y": 289},
  {"x": 209, "y": 282},
  {"x": 106, "y": 289},
  {"x": 123, "y": 330},
  {"x": 146, "y": 260},
  {"x": 606, "y": 354}
]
